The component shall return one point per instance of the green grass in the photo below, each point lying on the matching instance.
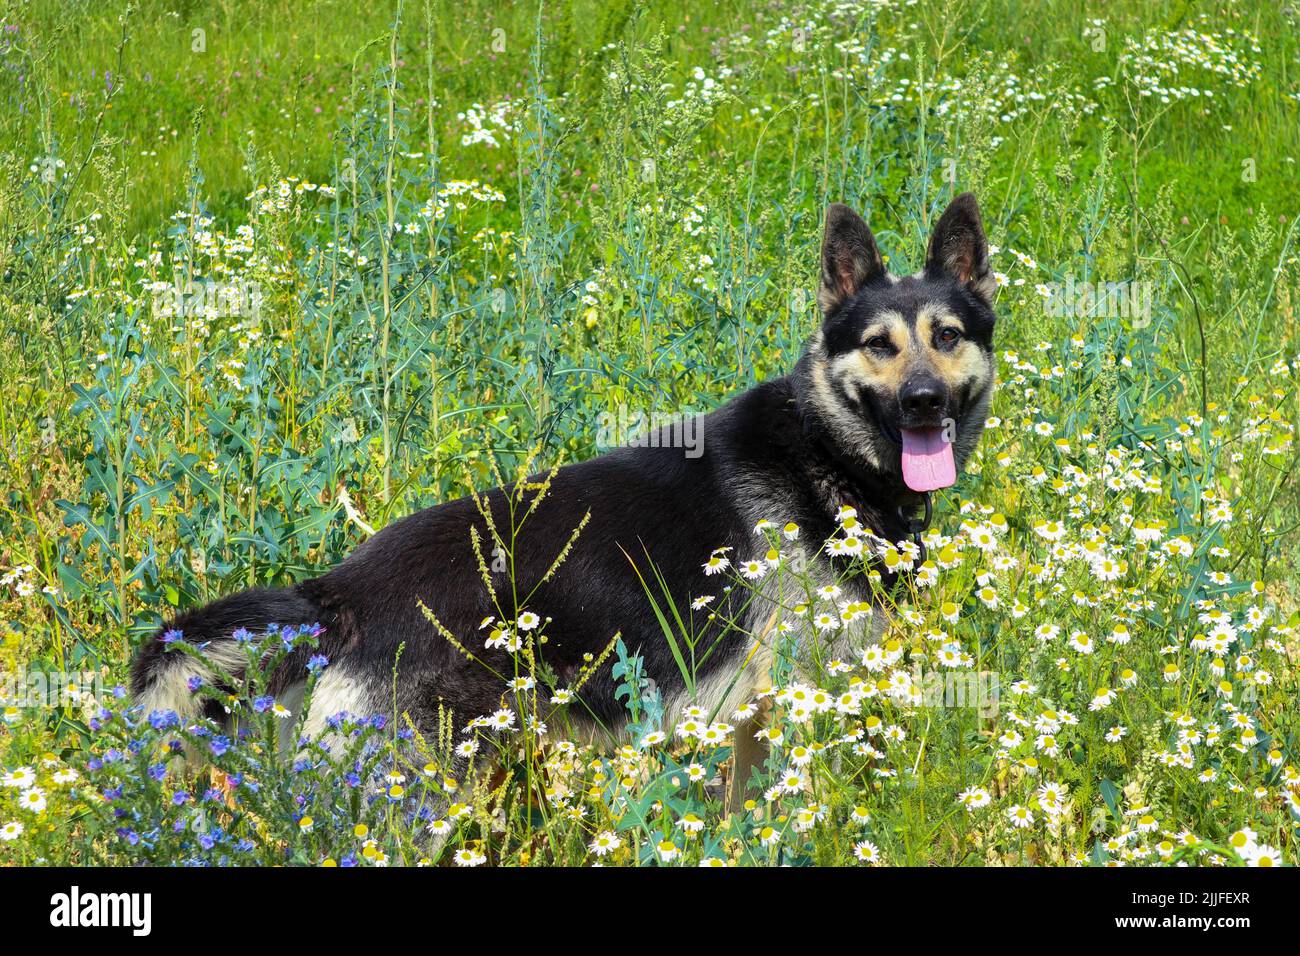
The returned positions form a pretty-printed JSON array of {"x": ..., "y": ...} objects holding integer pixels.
[{"x": 643, "y": 237}]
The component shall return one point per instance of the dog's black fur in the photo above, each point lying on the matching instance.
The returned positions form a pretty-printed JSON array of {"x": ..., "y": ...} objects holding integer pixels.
[{"x": 778, "y": 446}]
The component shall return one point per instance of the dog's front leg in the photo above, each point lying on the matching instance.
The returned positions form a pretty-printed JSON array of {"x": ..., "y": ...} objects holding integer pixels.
[{"x": 748, "y": 754}]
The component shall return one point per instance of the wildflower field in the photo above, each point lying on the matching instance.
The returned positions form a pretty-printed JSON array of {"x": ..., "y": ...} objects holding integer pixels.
[{"x": 275, "y": 274}]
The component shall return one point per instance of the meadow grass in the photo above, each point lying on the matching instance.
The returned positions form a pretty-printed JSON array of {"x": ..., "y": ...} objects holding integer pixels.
[{"x": 278, "y": 273}]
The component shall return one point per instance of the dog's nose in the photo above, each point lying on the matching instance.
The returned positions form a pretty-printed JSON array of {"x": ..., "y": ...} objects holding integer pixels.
[{"x": 922, "y": 397}]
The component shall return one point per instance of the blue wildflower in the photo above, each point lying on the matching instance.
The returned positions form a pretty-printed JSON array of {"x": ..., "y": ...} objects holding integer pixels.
[{"x": 162, "y": 719}]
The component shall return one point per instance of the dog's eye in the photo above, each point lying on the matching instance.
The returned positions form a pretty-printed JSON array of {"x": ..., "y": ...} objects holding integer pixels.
[
  {"x": 949, "y": 335},
  {"x": 880, "y": 343}
]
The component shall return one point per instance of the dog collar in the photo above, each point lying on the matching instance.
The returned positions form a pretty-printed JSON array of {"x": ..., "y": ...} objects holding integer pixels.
[
  {"x": 912, "y": 526},
  {"x": 918, "y": 526}
]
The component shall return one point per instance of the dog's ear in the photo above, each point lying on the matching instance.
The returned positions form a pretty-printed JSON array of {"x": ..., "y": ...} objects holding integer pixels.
[
  {"x": 850, "y": 258},
  {"x": 958, "y": 248}
]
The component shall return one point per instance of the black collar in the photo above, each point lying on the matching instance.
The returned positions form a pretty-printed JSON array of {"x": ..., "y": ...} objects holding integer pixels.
[{"x": 870, "y": 487}]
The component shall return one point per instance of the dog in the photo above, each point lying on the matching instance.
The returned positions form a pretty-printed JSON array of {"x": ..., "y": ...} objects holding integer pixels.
[{"x": 886, "y": 403}]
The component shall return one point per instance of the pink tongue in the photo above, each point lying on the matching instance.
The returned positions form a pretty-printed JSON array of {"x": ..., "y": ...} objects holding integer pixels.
[{"x": 927, "y": 459}]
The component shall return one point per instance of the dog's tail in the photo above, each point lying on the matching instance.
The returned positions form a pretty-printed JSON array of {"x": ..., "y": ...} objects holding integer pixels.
[{"x": 161, "y": 677}]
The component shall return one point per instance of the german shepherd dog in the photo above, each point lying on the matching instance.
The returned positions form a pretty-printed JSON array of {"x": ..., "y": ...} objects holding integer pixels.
[{"x": 887, "y": 401}]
